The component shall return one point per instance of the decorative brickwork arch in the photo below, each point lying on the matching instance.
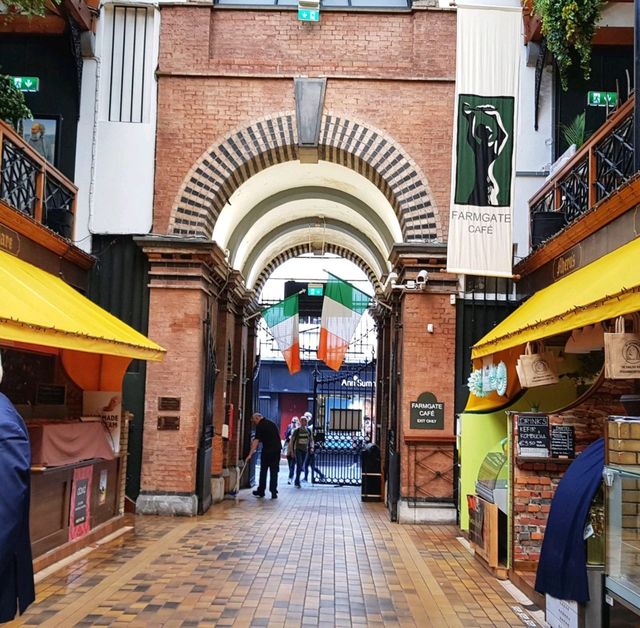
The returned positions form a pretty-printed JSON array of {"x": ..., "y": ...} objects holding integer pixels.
[
  {"x": 273, "y": 140},
  {"x": 303, "y": 249}
]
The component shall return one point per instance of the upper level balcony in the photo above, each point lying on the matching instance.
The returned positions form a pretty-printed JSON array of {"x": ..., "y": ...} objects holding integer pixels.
[
  {"x": 603, "y": 165},
  {"x": 32, "y": 186}
]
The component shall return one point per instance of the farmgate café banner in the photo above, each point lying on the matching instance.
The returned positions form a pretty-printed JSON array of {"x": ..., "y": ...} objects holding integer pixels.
[{"x": 483, "y": 167}]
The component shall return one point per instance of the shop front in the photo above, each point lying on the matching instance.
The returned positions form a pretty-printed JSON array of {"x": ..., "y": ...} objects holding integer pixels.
[
  {"x": 542, "y": 430},
  {"x": 64, "y": 359}
]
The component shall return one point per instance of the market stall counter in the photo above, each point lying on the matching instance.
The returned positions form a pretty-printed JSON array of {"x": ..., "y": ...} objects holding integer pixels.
[
  {"x": 57, "y": 443},
  {"x": 74, "y": 480}
]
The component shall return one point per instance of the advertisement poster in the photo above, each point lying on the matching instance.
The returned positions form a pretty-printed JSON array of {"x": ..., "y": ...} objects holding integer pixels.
[
  {"x": 107, "y": 406},
  {"x": 79, "y": 516},
  {"x": 102, "y": 487}
]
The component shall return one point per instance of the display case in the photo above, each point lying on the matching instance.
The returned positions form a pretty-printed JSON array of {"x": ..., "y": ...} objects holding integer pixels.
[{"x": 622, "y": 581}]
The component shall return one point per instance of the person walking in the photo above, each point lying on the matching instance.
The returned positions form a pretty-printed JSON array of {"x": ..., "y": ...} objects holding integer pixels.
[
  {"x": 310, "y": 463},
  {"x": 16, "y": 569},
  {"x": 268, "y": 434},
  {"x": 291, "y": 456},
  {"x": 301, "y": 442}
]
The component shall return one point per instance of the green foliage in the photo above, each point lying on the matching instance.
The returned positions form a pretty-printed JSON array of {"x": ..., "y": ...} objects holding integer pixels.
[
  {"x": 574, "y": 133},
  {"x": 568, "y": 26},
  {"x": 29, "y": 7},
  {"x": 12, "y": 104}
]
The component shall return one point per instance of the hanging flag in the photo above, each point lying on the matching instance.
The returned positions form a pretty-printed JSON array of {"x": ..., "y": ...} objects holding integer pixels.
[
  {"x": 489, "y": 46},
  {"x": 342, "y": 309},
  {"x": 283, "y": 321}
]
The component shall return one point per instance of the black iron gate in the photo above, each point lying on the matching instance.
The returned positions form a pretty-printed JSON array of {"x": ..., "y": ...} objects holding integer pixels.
[{"x": 344, "y": 407}]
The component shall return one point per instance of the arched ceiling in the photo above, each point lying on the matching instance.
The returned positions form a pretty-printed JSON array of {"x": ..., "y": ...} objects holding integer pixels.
[
  {"x": 293, "y": 205},
  {"x": 291, "y": 240}
]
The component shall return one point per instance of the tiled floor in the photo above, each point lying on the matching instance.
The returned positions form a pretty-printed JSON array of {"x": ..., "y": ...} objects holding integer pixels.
[{"x": 315, "y": 557}]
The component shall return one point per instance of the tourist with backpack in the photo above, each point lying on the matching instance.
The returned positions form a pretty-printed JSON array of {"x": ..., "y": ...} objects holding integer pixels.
[{"x": 301, "y": 443}]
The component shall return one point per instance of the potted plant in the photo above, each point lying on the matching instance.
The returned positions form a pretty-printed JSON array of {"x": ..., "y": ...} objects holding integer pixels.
[{"x": 568, "y": 27}]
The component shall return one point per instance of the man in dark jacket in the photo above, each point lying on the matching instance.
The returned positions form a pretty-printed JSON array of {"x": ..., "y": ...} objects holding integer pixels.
[
  {"x": 268, "y": 434},
  {"x": 16, "y": 569}
]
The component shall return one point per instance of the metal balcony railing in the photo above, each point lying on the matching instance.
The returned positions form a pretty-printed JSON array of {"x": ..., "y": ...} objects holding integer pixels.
[
  {"x": 31, "y": 185},
  {"x": 595, "y": 172}
]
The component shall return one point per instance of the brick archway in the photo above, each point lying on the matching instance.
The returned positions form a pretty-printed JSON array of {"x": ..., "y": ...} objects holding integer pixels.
[
  {"x": 302, "y": 249},
  {"x": 273, "y": 140}
]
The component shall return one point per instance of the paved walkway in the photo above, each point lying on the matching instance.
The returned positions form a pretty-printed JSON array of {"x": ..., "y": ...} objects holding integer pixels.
[{"x": 317, "y": 556}]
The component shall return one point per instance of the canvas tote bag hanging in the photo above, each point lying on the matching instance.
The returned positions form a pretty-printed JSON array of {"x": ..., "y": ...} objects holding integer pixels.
[
  {"x": 622, "y": 350},
  {"x": 536, "y": 368}
]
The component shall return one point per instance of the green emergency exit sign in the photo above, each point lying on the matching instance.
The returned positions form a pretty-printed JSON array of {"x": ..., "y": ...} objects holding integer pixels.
[
  {"x": 27, "y": 83},
  {"x": 602, "y": 99},
  {"x": 314, "y": 290},
  {"x": 308, "y": 15}
]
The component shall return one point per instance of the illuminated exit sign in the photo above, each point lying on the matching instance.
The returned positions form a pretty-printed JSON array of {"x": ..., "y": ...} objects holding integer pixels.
[
  {"x": 27, "y": 83},
  {"x": 314, "y": 290},
  {"x": 602, "y": 99},
  {"x": 308, "y": 15}
]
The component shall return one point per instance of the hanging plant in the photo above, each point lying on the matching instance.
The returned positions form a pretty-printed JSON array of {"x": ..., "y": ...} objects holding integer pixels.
[
  {"x": 12, "y": 104},
  {"x": 568, "y": 27}
]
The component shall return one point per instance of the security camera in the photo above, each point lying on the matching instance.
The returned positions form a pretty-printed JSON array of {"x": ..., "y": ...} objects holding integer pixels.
[
  {"x": 392, "y": 278},
  {"x": 422, "y": 277}
]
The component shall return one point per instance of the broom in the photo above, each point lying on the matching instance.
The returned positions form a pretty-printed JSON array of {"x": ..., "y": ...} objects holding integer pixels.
[{"x": 236, "y": 492}]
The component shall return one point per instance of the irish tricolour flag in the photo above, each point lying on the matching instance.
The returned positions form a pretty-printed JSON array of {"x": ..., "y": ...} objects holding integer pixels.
[
  {"x": 283, "y": 320},
  {"x": 342, "y": 309}
]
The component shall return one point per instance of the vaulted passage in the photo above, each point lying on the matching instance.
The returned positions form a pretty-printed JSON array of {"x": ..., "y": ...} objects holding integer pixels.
[{"x": 371, "y": 153}]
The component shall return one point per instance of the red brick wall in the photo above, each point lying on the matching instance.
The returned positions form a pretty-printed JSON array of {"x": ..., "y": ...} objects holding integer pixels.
[
  {"x": 535, "y": 483},
  {"x": 414, "y": 45},
  {"x": 427, "y": 365},
  {"x": 168, "y": 457},
  {"x": 221, "y": 69}
]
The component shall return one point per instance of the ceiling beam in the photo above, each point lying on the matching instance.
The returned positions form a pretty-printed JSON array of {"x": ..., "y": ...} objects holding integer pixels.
[{"x": 79, "y": 10}]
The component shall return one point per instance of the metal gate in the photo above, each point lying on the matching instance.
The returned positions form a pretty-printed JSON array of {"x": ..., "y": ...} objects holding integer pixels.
[{"x": 344, "y": 407}]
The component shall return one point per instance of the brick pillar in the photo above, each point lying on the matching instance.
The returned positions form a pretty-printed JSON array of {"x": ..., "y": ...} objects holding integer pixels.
[
  {"x": 427, "y": 369},
  {"x": 231, "y": 355},
  {"x": 183, "y": 276}
]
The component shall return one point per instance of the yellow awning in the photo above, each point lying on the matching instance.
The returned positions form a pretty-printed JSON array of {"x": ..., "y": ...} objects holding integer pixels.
[
  {"x": 38, "y": 308},
  {"x": 604, "y": 289}
]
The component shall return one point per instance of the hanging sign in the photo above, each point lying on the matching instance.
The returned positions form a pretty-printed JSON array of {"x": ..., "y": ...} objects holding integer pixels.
[
  {"x": 533, "y": 435},
  {"x": 483, "y": 164},
  {"x": 80, "y": 513},
  {"x": 427, "y": 413}
]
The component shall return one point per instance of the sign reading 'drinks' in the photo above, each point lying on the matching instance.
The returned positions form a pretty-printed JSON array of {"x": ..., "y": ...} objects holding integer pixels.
[
  {"x": 427, "y": 413},
  {"x": 533, "y": 435}
]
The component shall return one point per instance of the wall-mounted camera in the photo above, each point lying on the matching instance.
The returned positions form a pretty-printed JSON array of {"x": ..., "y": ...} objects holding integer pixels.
[{"x": 422, "y": 277}]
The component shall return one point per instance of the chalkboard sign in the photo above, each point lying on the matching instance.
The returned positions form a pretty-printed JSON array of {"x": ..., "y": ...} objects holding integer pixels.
[
  {"x": 533, "y": 435},
  {"x": 563, "y": 441},
  {"x": 51, "y": 394}
]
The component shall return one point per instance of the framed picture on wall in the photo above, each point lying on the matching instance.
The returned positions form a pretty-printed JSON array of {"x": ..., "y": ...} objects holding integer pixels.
[{"x": 42, "y": 133}]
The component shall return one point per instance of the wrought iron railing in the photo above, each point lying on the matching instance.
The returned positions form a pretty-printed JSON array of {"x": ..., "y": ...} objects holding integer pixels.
[
  {"x": 34, "y": 187},
  {"x": 597, "y": 170}
]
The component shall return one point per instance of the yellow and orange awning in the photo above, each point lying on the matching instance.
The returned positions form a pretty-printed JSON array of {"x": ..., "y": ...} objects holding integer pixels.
[
  {"x": 38, "y": 308},
  {"x": 605, "y": 289}
]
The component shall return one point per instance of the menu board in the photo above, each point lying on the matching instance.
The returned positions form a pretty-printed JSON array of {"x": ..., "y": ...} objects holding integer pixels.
[
  {"x": 563, "y": 441},
  {"x": 533, "y": 435}
]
